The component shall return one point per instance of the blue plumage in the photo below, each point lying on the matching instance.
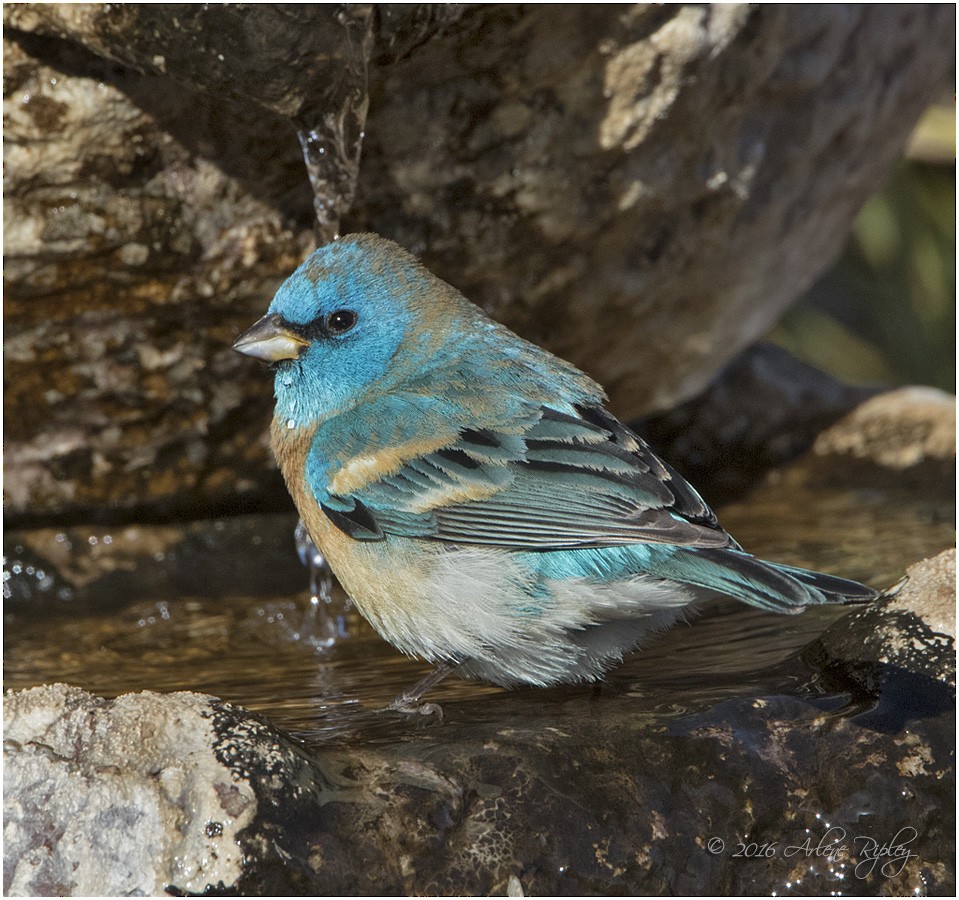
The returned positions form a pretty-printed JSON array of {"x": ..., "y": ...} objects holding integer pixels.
[{"x": 471, "y": 491}]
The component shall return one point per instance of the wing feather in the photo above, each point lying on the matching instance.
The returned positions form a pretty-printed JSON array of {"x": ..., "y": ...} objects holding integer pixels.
[{"x": 551, "y": 480}]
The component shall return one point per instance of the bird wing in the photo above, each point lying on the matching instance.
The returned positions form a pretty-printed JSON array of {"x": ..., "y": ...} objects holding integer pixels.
[{"x": 558, "y": 480}]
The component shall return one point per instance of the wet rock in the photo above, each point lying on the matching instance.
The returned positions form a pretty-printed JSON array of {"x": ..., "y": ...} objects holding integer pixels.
[
  {"x": 913, "y": 632},
  {"x": 277, "y": 57},
  {"x": 930, "y": 594},
  {"x": 584, "y": 797},
  {"x": 308, "y": 65},
  {"x": 133, "y": 253},
  {"x": 642, "y": 189}
]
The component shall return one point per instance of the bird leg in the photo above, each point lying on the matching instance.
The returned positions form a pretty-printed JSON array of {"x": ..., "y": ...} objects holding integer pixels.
[{"x": 409, "y": 701}]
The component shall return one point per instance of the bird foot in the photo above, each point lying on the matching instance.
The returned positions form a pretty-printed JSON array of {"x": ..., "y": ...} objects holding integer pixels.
[
  {"x": 409, "y": 701},
  {"x": 411, "y": 707}
]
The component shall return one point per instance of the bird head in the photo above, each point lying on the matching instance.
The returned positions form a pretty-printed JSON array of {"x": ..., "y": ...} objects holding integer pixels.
[{"x": 357, "y": 316}]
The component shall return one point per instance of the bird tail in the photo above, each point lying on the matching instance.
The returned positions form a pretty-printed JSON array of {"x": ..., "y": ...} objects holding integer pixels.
[{"x": 772, "y": 586}]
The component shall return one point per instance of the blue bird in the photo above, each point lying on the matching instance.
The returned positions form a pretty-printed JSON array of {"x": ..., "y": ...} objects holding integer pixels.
[{"x": 469, "y": 489}]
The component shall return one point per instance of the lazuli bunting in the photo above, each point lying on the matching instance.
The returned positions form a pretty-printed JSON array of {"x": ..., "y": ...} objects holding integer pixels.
[{"x": 469, "y": 489}]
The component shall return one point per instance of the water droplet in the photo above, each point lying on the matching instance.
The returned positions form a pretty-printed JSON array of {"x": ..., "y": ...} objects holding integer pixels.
[{"x": 291, "y": 423}]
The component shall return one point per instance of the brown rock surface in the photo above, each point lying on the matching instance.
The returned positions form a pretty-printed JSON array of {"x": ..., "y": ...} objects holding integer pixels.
[
  {"x": 913, "y": 632},
  {"x": 930, "y": 593},
  {"x": 896, "y": 429},
  {"x": 644, "y": 189}
]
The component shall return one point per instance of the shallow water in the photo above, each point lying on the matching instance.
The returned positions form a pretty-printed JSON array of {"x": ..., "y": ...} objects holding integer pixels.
[{"x": 268, "y": 652}]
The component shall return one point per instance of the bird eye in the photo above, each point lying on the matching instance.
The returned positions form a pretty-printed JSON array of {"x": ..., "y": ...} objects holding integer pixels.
[{"x": 340, "y": 321}]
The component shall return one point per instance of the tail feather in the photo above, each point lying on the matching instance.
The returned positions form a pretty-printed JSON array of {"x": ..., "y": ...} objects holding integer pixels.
[
  {"x": 835, "y": 589},
  {"x": 778, "y": 588}
]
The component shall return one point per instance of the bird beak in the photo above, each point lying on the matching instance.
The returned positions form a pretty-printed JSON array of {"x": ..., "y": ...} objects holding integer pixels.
[{"x": 271, "y": 339}]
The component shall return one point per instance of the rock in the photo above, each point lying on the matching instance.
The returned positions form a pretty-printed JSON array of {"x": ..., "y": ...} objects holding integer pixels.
[
  {"x": 277, "y": 57},
  {"x": 897, "y": 429},
  {"x": 642, "y": 189},
  {"x": 118, "y": 798},
  {"x": 183, "y": 793},
  {"x": 766, "y": 408},
  {"x": 913, "y": 633},
  {"x": 930, "y": 594},
  {"x": 134, "y": 252},
  {"x": 308, "y": 65},
  {"x": 875, "y": 491},
  {"x": 762, "y": 410}
]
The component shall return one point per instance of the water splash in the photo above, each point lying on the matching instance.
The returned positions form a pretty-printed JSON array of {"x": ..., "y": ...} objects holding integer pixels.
[{"x": 323, "y": 624}]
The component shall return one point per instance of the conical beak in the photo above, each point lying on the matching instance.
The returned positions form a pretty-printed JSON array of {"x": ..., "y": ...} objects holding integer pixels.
[{"x": 271, "y": 339}]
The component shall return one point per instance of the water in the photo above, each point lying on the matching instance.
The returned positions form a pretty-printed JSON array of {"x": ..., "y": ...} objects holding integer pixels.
[
  {"x": 257, "y": 654},
  {"x": 232, "y": 614},
  {"x": 331, "y": 131}
]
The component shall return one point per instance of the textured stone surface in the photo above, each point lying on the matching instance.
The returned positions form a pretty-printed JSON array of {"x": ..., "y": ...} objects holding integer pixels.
[
  {"x": 914, "y": 632},
  {"x": 116, "y": 797},
  {"x": 642, "y": 189},
  {"x": 896, "y": 429},
  {"x": 930, "y": 594},
  {"x": 132, "y": 251}
]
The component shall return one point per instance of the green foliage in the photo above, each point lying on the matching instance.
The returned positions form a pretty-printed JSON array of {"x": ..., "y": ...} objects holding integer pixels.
[{"x": 886, "y": 312}]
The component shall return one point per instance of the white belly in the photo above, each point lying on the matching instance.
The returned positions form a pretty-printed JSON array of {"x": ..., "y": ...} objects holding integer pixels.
[{"x": 482, "y": 608}]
